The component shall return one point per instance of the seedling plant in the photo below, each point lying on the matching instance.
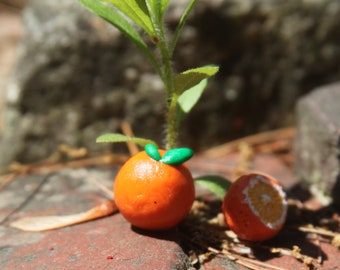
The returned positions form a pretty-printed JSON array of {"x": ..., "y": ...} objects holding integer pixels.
[{"x": 142, "y": 21}]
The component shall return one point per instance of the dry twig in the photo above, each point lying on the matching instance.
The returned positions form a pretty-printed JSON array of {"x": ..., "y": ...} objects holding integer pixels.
[
  {"x": 127, "y": 130},
  {"x": 270, "y": 141},
  {"x": 46, "y": 167}
]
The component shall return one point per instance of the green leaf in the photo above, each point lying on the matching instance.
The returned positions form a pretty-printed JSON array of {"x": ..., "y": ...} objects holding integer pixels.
[
  {"x": 112, "y": 16},
  {"x": 180, "y": 25},
  {"x": 157, "y": 8},
  {"x": 190, "y": 85},
  {"x": 215, "y": 183},
  {"x": 192, "y": 77},
  {"x": 118, "y": 138},
  {"x": 189, "y": 98},
  {"x": 137, "y": 11},
  {"x": 164, "y": 5}
]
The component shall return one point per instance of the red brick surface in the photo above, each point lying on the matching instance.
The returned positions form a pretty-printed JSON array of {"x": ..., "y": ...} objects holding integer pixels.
[
  {"x": 111, "y": 243},
  {"x": 108, "y": 243}
]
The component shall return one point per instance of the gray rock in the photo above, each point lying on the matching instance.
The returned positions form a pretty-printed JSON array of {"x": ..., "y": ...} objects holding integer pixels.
[
  {"x": 317, "y": 145},
  {"x": 77, "y": 77},
  {"x": 63, "y": 83}
]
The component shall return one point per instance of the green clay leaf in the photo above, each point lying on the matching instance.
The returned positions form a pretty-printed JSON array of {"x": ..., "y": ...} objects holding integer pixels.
[
  {"x": 192, "y": 77},
  {"x": 177, "y": 156},
  {"x": 152, "y": 151},
  {"x": 215, "y": 183},
  {"x": 137, "y": 11},
  {"x": 119, "y": 138}
]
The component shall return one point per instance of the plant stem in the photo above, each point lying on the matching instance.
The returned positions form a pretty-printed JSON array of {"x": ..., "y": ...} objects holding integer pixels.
[
  {"x": 172, "y": 117},
  {"x": 172, "y": 123},
  {"x": 171, "y": 97},
  {"x": 165, "y": 70},
  {"x": 166, "y": 73}
]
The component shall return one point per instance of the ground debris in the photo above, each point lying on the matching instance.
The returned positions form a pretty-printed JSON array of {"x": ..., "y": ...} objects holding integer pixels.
[{"x": 204, "y": 237}]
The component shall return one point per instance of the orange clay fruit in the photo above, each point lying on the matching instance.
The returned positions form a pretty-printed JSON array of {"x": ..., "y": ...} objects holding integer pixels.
[
  {"x": 153, "y": 195},
  {"x": 255, "y": 207}
]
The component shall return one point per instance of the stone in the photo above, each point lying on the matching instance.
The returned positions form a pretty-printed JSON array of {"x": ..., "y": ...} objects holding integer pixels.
[
  {"x": 317, "y": 143},
  {"x": 77, "y": 77},
  {"x": 51, "y": 88}
]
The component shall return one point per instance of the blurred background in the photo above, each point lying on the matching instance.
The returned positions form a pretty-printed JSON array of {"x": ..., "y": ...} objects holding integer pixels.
[{"x": 67, "y": 76}]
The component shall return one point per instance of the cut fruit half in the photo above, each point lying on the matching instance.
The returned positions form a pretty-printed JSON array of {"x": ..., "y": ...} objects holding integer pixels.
[{"x": 255, "y": 207}]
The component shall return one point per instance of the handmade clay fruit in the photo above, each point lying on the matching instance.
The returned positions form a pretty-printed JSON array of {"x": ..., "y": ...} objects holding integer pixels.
[
  {"x": 255, "y": 207},
  {"x": 152, "y": 194}
]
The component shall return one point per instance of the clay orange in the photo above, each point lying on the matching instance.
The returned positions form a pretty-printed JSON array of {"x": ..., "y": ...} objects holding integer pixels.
[
  {"x": 151, "y": 194},
  {"x": 255, "y": 207}
]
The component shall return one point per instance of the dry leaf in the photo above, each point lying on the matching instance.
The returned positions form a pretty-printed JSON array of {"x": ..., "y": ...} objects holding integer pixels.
[{"x": 44, "y": 223}]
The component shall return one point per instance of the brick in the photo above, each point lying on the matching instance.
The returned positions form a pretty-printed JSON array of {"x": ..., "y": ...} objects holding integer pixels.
[{"x": 106, "y": 243}]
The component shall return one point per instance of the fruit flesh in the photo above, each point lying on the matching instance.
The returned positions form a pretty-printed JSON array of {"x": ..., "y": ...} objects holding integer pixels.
[{"x": 265, "y": 200}]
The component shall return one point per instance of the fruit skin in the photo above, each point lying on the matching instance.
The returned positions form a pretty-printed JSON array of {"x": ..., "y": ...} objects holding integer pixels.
[
  {"x": 152, "y": 195},
  {"x": 239, "y": 215}
]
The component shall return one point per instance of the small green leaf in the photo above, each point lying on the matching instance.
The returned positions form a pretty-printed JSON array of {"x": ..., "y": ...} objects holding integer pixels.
[
  {"x": 177, "y": 156},
  {"x": 197, "y": 79},
  {"x": 180, "y": 25},
  {"x": 113, "y": 17},
  {"x": 136, "y": 10},
  {"x": 216, "y": 184},
  {"x": 157, "y": 9},
  {"x": 192, "y": 77},
  {"x": 118, "y": 138},
  {"x": 158, "y": 6},
  {"x": 189, "y": 98},
  {"x": 152, "y": 152},
  {"x": 164, "y": 5}
]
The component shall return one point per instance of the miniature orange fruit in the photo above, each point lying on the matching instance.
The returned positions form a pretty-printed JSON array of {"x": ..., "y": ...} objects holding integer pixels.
[
  {"x": 255, "y": 207},
  {"x": 151, "y": 194}
]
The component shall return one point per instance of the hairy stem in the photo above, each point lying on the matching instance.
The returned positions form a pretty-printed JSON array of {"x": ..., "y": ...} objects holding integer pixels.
[
  {"x": 171, "y": 97},
  {"x": 172, "y": 123}
]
